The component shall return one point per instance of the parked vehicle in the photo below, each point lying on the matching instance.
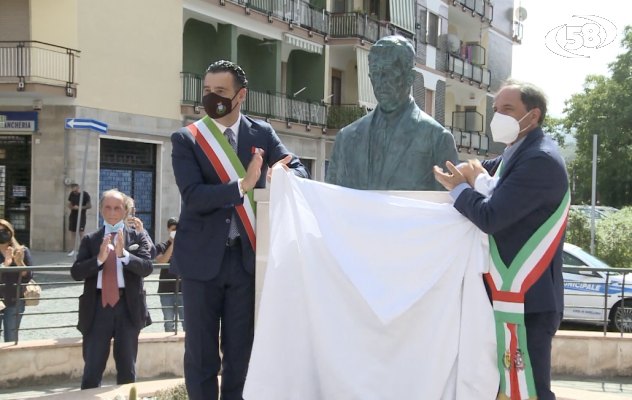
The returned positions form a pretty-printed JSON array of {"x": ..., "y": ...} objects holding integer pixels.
[
  {"x": 601, "y": 212},
  {"x": 585, "y": 294}
]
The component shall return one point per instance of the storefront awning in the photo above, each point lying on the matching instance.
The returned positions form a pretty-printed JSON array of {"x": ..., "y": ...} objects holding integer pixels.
[
  {"x": 365, "y": 89},
  {"x": 403, "y": 14},
  {"x": 303, "y": 44}
]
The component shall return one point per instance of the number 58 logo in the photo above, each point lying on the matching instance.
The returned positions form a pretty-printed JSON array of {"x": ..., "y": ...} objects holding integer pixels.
[{"x": 564, "y": 39}]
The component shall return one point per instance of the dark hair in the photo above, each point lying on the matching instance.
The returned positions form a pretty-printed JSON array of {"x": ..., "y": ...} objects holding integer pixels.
[
  {"x": 74, "y": 185},
  {"x": 239, "y": 76},
  {"x": 172, "y": 221},
  {"x": 531, "y": 96}
]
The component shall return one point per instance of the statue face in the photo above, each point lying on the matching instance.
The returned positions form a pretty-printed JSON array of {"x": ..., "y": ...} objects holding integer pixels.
[{"x": 391, "y": 81}]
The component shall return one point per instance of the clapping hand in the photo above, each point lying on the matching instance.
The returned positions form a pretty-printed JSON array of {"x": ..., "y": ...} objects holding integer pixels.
[
  {"x": 104, "y": 249},
  {"x": 449, "y": 180},
  {"x": 8, "y": 256}
]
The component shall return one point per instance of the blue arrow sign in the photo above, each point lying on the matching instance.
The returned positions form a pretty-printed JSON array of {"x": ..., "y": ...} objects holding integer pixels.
[{"x": 78, "y": 123}]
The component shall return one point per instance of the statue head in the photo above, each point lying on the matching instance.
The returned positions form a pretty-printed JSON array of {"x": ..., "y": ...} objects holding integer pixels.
[{"x": 391, "y": 63}]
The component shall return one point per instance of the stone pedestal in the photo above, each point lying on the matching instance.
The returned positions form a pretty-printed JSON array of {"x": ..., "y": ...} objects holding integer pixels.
[{"x": 262, "y": 198}]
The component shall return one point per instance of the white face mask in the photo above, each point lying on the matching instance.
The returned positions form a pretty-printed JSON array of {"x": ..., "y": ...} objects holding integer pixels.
[
  {"x": 172, "y": 234},
  {"x": 505, "y": 128}
]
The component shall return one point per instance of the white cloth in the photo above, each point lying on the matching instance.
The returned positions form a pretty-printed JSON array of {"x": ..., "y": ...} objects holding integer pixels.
[
  {"x": 371, "y": 297},
  {"x": 485, "y": 184}
]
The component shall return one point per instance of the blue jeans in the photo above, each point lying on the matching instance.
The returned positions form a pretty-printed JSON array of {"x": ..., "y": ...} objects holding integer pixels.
[
  {"x": 7, "y": 319},
  {"x": 168, "y": 300}
]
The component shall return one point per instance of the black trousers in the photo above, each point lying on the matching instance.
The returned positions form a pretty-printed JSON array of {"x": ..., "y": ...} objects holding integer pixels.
[
  {"x": 228, "y": 300},
  {"x": 110, "y": 322},
  {"x": 541, "y": 327}
]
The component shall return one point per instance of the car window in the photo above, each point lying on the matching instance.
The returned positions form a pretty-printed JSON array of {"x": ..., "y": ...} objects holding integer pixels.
[{"x": 572, "y": 261}]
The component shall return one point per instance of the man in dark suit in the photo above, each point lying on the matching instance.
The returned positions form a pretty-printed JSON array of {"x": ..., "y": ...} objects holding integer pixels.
[
  {"x": 215, "y": 250},
  {"x": 532, "y": 187},
  {"x": 113, "y": 262}
]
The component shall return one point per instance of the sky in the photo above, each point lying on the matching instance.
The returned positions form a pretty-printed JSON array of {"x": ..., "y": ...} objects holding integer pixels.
[{"x": 559, "y": 76}]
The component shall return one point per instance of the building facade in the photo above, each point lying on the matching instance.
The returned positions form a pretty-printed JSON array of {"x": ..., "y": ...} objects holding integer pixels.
[{"x": 307, "y": 65}]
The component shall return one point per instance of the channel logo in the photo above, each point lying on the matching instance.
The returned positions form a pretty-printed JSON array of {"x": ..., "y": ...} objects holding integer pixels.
[{"x": 573, "y": 41}]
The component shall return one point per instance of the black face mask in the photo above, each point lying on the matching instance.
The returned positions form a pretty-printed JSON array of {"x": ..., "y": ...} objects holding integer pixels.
[
  {"x": 217, "y": 106},
  {"x": 5, "y": 237}
]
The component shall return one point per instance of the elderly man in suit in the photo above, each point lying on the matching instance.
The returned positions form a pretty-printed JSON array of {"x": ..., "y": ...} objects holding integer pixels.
[
  {"x": 395, "y": 146},
  {"x": 113, "y": 262},
  {"x": 217, "y": 162},
  {"x": 525, "y": 216}
]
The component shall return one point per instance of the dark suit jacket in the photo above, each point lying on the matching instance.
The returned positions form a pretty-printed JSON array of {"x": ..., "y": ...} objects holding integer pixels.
[
  {"x": 531, "y": 187},
  {"x": 209, "y": 204},
  {"x": 416, "y": 144},
  {"x": 86, "y": 268}
]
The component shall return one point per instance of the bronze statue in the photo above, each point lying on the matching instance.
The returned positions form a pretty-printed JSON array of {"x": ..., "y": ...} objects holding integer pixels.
[{"x": 395, "y": 146}]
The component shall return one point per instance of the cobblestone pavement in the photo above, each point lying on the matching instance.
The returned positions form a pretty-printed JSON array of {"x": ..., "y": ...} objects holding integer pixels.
[{"x": 65, "y": 293}]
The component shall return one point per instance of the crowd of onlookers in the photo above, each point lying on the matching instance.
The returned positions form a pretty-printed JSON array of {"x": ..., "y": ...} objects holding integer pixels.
[{"x": 13, "y": 254}]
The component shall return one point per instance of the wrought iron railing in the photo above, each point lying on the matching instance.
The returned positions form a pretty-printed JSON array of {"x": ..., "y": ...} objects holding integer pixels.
[
  {"x": 482, "y": 8},
  {"x": 339, "y": 116},
  {"x": 359, "y": 25},
  {"x": 470, "y": 121},
  {"x": 296, "y": 12},
  {"x": 32, "y": 61},
  {"x": 474, "y": 73},
  {"x": 262, "y": 103}
]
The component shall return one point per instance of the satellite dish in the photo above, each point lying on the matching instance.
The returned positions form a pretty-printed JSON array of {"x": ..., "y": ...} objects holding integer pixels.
[
  {"x": 521, "y": 14},
  {"x": 454, "y": 44}
]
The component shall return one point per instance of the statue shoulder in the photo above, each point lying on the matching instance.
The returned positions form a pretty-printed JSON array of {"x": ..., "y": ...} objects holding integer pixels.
[
  {"x": 430, "y": 125},
  {"x": 347, "y": 130}
]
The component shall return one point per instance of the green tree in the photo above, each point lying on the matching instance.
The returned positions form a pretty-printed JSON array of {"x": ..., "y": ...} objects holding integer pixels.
[
  {"x": 604, "y": 108},
  {"x": 554, "y": 127}
]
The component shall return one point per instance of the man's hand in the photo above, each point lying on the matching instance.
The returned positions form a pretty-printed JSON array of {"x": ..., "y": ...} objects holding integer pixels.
[
  {"x": 472, "y": 170},
  {"x": 449, "y": 180},
  {"x": 104, "y": 250},
  {"x": 120, "y": 244},
  {"x": 139, "y": 224},
  {"x": 75, "y": 207},
  {"x": 284, "y": 162},
  {"x": 254, "y": 171}
]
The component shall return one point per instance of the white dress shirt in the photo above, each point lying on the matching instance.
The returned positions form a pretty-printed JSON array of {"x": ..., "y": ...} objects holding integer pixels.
[
  {"x": 235, "y": 129},
  {"x": 119, "y": 265}
]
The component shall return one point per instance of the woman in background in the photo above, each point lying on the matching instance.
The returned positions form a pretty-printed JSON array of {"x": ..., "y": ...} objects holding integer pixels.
[{"x": 12, "y": 254}]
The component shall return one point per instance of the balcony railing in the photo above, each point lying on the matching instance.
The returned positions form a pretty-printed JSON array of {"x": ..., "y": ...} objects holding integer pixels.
[
  {"x": 472, "y": 53},
  {"x": 295, "y": 12},
  {"x": 261, "y": 103},
  {"x": 482, "y": 8},
  {"x": 359, "y": 25},
  {"x": 470, "y": 141},
  {"x": 37, "y": 62},
  {"x": 461, "y": 67},
  {"x": 339, "y": 116},
  {"x": 470, "y": 121}
]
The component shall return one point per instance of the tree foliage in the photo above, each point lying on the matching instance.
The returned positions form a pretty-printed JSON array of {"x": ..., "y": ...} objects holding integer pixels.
[
  {"x": 604, "y": 108},
  {"x": 613, "y": 236},
  {"x": 554, "y": 127}
]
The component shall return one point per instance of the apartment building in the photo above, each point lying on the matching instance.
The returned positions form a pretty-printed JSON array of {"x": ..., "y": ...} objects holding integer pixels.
[{"x": 138, "y": 67}]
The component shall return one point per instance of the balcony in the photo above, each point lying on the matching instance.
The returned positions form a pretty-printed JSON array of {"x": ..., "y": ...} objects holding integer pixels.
[
  {"x": 262, "y": 104},
  {"x": 482, "y": 8},
  {"x": 467, "y": 71},
  {"x": 30, "y": 62},
  {"x": 339, "y": 116},
  {"x": 470, "y": 121},
  {"x": 294, "y": 12},
  {"x": 467, "y": 128},
  {"x": 517, "y": 32},
  {"x": 363, "y": 27}
]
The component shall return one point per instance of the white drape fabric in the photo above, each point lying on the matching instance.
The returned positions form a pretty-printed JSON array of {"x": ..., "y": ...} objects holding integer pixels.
[{"x": 371, "y": 297}]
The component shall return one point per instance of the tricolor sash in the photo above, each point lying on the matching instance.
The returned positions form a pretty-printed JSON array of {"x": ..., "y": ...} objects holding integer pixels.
[
  {"x": 227, "y": 165},
  {"x": 508, "y": 286}
]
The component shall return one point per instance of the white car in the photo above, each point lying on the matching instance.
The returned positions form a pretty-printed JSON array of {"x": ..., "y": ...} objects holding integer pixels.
[{"x": 585, "y": 296}]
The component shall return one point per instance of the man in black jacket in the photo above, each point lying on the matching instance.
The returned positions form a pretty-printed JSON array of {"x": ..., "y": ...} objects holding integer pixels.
[{"x": 113, "y": 262}]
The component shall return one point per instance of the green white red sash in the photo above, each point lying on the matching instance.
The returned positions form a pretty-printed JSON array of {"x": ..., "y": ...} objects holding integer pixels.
[
  {"x": 227, "y": 165},
  {"x": 509, "y": 286}
]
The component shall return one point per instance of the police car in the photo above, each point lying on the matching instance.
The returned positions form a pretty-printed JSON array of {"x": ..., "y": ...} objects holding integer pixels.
[{"x": 585, "y": 291}]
